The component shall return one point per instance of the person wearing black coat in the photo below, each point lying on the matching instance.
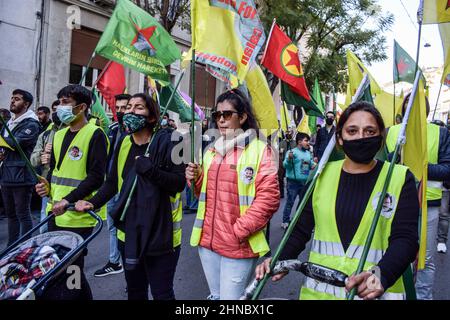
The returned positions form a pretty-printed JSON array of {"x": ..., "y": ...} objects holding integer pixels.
[
  {"x": 16, "y": 180},
  {"x": 324, "y": 135},
  {"x": 149, "y": 249}
]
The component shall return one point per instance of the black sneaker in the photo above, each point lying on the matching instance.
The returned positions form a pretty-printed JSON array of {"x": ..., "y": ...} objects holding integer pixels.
[{"x": 110, "y": 268}]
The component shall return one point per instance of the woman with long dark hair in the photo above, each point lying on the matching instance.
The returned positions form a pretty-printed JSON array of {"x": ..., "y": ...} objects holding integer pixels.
[
  {"x": 150, "y": 234},
  {"x": 237, "y": 186},
  {"x": 341, "y": 210}
]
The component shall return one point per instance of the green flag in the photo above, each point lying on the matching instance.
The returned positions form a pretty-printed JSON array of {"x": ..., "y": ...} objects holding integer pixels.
[
  {"x": 177, "y": 105},
  {"x": 292, "y": 98},
  {"x": 98, "y": 112},
  {"x": 135, "y": 39},
  {"x": 318, "y": 99},
  {"x": 404, "y": 65}
]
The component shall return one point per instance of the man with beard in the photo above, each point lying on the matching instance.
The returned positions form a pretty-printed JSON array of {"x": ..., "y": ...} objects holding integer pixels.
[{"x": 16, "y": 180}]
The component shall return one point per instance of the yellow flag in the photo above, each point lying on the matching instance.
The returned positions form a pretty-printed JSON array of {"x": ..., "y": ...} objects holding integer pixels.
[
  {"x": 285, "y": 119},
  {"x": 226, "y": 37},
  {"x": 444, "y": 30},
  {"x": 356, "y": 71},
  {"x": 436, "y": 11},
  {"x": 415, "y": 156},
  {"x": 262, "y": 101},
  {"x": 384, "y": 102},
  {"x": 303, "y": 125},
  {"x": 4, "y": 144}
]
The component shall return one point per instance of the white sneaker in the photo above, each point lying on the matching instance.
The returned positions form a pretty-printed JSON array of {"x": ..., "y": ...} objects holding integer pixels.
[
  {"x": 441, "y": 248},
  {"x": 284, "y": 225}
]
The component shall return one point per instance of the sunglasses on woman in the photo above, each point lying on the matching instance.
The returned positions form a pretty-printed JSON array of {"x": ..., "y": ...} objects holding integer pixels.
[{"x": 227, "y": 114}]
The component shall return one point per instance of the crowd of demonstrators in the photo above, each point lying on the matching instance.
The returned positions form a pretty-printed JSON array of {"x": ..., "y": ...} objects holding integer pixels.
[
  {"x": 298, "y": 163},
  {"x": 438, "y": 172},
  {"x": 150, "y": 234},
  {"x": 16, "y": 181},
  {"x": 340, "y": 212},
  {"x": 115, "y": 134},
  {"x": 237, "y": 187}
]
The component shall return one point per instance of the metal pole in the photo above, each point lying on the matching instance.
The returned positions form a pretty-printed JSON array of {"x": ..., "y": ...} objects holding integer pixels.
[
  {"x": 400, "y": 142},
  {"x": 437, "y": 101},
  {"x": 164, "y": 111},
  {"x": 87, "y": 68},
  {"x": 192, "y": 119},
  {"x": 19, "y": 149}
]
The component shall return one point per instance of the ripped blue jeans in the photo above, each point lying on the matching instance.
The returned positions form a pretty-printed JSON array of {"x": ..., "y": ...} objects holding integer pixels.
[{"x": 227, "y": 278}]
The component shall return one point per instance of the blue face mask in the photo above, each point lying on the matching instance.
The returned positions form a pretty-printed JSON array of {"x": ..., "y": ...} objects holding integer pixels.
[
  {"x": 164, "y": 122},
  {"x": 65, "y": 114}
]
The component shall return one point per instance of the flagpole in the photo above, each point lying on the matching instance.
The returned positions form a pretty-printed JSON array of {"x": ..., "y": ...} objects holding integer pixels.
[
  {"x": 320, "y": 167},
  {"x": 268, "y": 39},
  {"x": 400, "y": 142},
  {"x": 419, "y": 20},
  {"x": 19, "y": 149},
  {"x": 158, "y": 125},
  {"x": 393, "y": 111},
  {"x": 192, "y": 119},
  {"x": 101, "y": 73},
  {"x": 437, "y": 101},
  {"x": 87, "y": 68}
]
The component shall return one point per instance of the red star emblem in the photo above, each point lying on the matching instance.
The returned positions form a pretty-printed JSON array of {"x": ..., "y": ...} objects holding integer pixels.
[
  {"x": 402, "y": 66},
  {"x": 294, "y": 60},
  {"x": 147, "y": 33}
]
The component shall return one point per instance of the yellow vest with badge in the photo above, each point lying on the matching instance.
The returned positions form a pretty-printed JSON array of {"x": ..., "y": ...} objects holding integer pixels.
[
  {"x": 175, "y": 202},
  {"x": 327, "y": 249},
  {"x": 249, "y": 160},
  {"x": 434, "y": 188},
  {"x": 70, "y": 174}
]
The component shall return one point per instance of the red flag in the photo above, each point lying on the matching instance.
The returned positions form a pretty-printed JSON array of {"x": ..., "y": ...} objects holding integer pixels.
[
  {"x": 112, "y": 83},
  {"x": 281, "y": 58}
]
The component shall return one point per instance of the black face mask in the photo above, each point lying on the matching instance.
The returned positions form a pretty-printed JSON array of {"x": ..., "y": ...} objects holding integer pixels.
[
  {"x": 329, "y": 121},
  {"x": 120, "y": 117},
  {"x": 363, "y": 150},
  {"x": 55, "y": 119}
]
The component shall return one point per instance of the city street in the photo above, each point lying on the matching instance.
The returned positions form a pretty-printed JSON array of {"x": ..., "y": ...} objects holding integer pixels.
[{"x": 190, "y": 282}]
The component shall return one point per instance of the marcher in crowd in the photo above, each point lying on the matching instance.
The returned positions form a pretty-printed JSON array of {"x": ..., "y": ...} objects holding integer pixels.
[
  {"x": 150, "y": 235},
  {"x": 298, "y": 163},
  {"x": 40, "y": 157},
  {"x": 341, "y": 210},
  {"x": 16, "y": 180},
  {"x": 324, "y": 135},
  {"x": 237, "y": 186},
  {"x": 438, "y": 172},
  {"x": 43, "y": 114}
]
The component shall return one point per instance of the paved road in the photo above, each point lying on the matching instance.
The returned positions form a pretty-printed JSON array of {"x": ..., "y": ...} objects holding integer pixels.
[{"x": 190, "y": 283}]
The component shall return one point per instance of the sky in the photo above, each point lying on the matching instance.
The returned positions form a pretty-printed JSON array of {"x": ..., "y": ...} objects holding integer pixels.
[{"x": 405, "y": 32}]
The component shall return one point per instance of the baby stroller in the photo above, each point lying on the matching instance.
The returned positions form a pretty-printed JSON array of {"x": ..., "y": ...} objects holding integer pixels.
[{"x": 62, "y": 249}]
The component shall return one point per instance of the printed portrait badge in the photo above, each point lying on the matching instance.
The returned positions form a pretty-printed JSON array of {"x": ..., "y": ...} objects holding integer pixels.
[
  {"x": 75, "y": 153},
  {"x": 247, "y": 175},
  {"x": 389, "y": 204}
]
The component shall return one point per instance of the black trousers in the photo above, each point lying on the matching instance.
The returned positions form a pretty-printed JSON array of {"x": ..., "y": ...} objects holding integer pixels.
[
  {"x": 157, "y": 272},
  {"x": 16, "y": 201}
]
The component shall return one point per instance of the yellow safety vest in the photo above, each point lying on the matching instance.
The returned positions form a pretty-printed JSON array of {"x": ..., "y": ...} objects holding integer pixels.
[
  {"x": 434, "y": 188},
  {"x": 175, "y": 202},
  {"x": 250, "y": 159},
  {"x": 71, "y": 173},
  {"x": 327, "y": 249}
]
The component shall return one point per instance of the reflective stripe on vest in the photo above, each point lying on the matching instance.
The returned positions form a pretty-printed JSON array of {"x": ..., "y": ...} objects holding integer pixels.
[
  {"x": 327, "y": 249},
  {"x": 70, "y": 174},
  {"x": 175, "y": 202},
  {"x": 434, "y": 191},
  {"x": 250, "y": 159}
]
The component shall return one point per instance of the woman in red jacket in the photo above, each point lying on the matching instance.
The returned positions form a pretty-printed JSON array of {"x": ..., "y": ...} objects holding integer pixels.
[{"x": 237, "y": 186}]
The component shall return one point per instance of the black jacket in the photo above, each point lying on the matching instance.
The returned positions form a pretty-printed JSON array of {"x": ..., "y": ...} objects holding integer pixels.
[
  {"x": 148, "y": 225},
  {"x": 322, "y": 139},
  {"x": 13, "y": 171}
]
